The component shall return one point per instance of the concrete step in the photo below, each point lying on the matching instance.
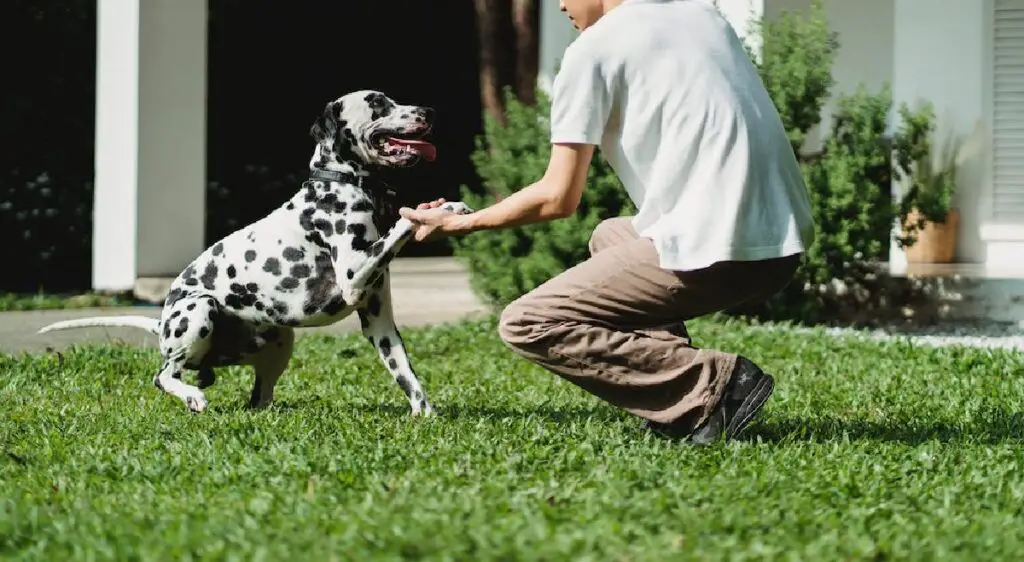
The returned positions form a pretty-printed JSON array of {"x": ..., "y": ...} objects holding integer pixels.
[{"x": 440, "y": 273}]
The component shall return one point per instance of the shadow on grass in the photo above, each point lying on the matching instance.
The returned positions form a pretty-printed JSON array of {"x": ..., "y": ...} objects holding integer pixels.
[
  {"x": 453, "y": 412},
  {"x": 992, "y": 427},
  {"x": 995, "y": 427}
]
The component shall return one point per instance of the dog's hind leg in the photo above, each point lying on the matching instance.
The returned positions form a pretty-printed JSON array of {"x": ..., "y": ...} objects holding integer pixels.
[
  {"x": 184, "y": 340},
  {"x": 205, "y": 377},
  {"x": 377, "y": 320},
  {"x": 270, "y": 363}
]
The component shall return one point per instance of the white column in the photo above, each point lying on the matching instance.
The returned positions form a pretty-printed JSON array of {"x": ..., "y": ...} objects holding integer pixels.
[{"x": 150, "y": 139}]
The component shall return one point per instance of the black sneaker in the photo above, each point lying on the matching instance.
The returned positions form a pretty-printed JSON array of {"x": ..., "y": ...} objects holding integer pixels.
[{"x": 746, "y": 392}]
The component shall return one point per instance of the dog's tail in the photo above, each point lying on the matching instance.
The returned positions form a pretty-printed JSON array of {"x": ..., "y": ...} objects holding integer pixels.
[{"x": 144, "y": 322}]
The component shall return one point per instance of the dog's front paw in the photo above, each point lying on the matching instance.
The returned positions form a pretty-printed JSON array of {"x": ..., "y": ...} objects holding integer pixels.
[
  {"x": 457, "y": 207},
  {"x": 424, "y": 411},
  {"x": 196, "y": 402}
]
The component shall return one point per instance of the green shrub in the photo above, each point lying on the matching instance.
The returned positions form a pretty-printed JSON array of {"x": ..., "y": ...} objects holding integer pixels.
[{"x": 509, "y": 262}]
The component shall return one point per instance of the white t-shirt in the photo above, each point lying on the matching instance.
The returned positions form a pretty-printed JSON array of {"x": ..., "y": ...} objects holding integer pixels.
[{"x": 667, "y": 91}]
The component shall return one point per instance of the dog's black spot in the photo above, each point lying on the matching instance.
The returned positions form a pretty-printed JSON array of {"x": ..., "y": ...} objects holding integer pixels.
[
  {"x": 350, "y": 274},
  {"x": 182, "y": 327},
  {"x": 191, "y": 306},
  {"x": 232, "y": 272},
  {"x": 290, "y": 206},
  {"x": 362, "y": 206},
  {"x": 403, "y": 382},
  {"x": 259, "y": 306},
  {"x": 209, "y": 276},
  {"x": 334, "y": 253},
  {"x": 173, "y": 296},
  {"x": 373, "y": 305},
  {"x": 272, "y": 266},
  {"x": 167, "y": 330},
  {"x": 203, "y": 332},
  {"x": 385, "y": 346},
  {"x": 329, "y": 203},
  {"x": 300, "y": 271},
  {"x": 306, "y": 218},
  {"x": 237, "y": 288},
  {"x": 234, "y": 301},
  {"x": 364, "y": 322},
  {"x": 359, "y": 241},
  {"x": 289, "y": 283},
  {"x": 252, "y": 287},
  {"x": 292, "y": 254},
  {"x": 317, "y": 240},
  {"x": 393, "y": 365},
  {"x": 250, "y": 256},
  {"x": 251, "y": 236},
  {"x": 339, "y": 225},
  {"x": 335, "y": 305},
  {"x": 248, "y": 299},
  {"x": 325, "y": 226},
  {"x": 217, "y": 249},
  {"x": 175, "y": 314}
]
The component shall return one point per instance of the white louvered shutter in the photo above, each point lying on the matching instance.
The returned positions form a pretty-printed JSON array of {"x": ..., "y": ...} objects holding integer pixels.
[{"x": 1008, "y": 112}]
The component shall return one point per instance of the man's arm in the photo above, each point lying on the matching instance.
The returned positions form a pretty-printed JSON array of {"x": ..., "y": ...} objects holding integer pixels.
[{"x": 556, "y": 195}]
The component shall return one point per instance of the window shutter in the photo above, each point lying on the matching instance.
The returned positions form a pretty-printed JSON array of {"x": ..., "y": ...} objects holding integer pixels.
[{"x": 1008, "y": 112}]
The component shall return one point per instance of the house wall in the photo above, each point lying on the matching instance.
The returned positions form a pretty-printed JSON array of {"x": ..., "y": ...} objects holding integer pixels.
[{"x": 941, "y": 56}]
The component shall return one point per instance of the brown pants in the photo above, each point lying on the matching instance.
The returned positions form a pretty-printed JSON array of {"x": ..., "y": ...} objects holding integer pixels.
[{"x": 614, "y": 325}]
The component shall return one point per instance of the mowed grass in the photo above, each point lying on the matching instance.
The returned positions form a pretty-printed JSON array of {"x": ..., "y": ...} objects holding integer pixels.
[{"x": 867, "y": 450}]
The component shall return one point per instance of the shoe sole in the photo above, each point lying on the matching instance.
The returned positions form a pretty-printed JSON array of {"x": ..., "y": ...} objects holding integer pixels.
[{"x": 752, "y": 404}]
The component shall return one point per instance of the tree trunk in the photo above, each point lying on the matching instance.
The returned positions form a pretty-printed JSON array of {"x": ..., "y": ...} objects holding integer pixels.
[
  {"x": 489, "y": 15},
  {"x": 525, "y": 20}
]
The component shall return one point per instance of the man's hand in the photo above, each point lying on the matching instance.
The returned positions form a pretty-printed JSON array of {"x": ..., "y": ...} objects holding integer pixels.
[{"x": 429, "y": 222}]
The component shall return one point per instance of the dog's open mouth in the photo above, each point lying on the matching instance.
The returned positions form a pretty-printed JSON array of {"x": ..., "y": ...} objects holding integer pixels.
[{"x": 398, "y": 143}]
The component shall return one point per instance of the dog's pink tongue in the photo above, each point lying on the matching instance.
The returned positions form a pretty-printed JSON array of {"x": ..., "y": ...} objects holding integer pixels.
[{"x": 423, "y": 148}]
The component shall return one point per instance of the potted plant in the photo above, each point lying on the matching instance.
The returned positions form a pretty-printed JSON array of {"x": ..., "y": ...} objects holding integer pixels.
[{"x": 930, "y": 221}]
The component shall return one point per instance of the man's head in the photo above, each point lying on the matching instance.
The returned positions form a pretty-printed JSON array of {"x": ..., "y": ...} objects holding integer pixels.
[
  {"x": 585, "y": 13},
  {"x": 368, "y": 127}
]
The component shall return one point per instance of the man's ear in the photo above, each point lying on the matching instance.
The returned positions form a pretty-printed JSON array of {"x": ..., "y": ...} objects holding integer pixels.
[{"x": 326, "y": 125}]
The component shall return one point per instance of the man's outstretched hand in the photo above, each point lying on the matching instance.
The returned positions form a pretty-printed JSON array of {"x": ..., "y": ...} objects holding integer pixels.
[{"x": 429, "y": 222}]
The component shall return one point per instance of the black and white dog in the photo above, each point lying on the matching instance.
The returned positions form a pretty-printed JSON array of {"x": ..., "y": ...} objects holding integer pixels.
[{"x": 311, "y": 262}]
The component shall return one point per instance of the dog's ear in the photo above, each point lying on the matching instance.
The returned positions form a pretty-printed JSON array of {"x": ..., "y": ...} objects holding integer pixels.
[{"x": 325, "y": 127}]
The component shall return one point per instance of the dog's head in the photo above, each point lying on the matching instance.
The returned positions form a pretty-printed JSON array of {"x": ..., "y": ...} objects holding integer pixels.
[{"x": 370, "y": 128}]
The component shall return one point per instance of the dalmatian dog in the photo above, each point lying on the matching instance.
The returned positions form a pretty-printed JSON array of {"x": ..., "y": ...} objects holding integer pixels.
[{"x": 313, "y": 261}]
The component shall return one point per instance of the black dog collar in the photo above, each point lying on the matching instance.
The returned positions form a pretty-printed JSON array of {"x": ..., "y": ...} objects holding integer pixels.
[
  {"x": 333, "y": 175},
  {"x": 380, "y": 193}
]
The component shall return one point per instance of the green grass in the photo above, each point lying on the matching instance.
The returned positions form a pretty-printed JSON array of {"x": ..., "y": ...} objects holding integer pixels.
[
  {"x": 867, "y": 451},
  {"x": 46, "y": 301}
]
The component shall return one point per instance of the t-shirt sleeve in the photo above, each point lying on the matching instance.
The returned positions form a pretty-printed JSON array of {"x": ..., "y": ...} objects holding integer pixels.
[{"x": 580, "y": 100}]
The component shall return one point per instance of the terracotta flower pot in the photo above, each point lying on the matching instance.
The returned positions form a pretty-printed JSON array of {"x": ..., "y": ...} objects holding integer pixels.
[{"x": 936, "y": 242}]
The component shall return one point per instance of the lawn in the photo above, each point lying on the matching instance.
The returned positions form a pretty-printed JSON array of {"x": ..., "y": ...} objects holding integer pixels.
[
  {"x": 867, "y": 451},
  {"x": 45, "y": 301}
]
